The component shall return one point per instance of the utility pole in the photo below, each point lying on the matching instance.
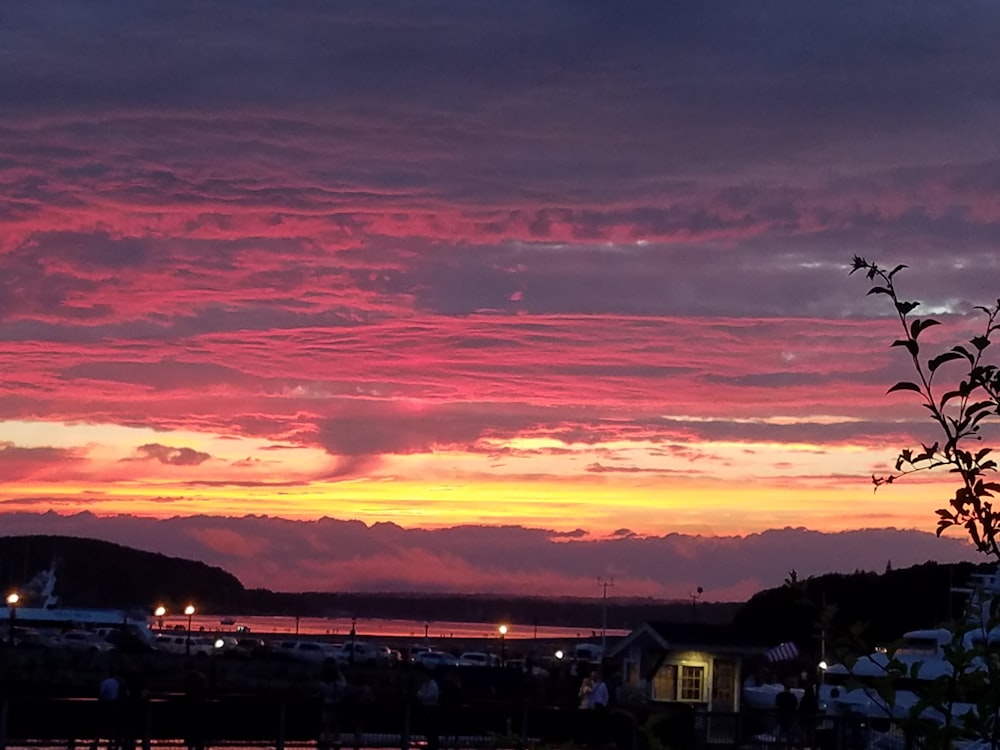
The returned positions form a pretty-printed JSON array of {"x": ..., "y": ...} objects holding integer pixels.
[{"x": 610, "y": 582}]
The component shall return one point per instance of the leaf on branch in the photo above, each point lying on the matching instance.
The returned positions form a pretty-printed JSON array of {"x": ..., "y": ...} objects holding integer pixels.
[
  {"x": 978, "y": 406},
  {"x": 939, "y": 360},
  {"x": 919, "y": 325},
  {"x": 906, "y": 307},
  {"x": 949, "y": 396},
  {"x": 911, "y": 346},
  {"x": 896, "y": 270},
  {"x": 878, "y": 290},
  {"x": 905, "y": 385},
  {"x": 964, "y": 352},
  {"x": 973, "y": 530},
  {"x": 980, "y": 342}
]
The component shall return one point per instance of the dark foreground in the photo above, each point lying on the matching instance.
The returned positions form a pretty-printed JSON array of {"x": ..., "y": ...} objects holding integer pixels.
[{"x": 48, "y": 699}]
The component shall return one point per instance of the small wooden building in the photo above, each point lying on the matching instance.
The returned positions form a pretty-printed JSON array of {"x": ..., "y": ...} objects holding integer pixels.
[{"x": 695, "y": 663}]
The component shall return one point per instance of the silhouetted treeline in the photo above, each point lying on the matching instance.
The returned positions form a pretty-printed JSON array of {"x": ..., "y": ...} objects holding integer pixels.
[
  {"x": 863, "y": 609},
  {"x": 863, "y": 606},
  {"x": 584, "y": 613}
]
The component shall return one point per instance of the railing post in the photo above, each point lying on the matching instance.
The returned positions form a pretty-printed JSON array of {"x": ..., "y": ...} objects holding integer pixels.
[
  {"x": 147, "y": 724},
  {"x": 3, "y": 723},
  {"x": 282, "y": 714},
  {"x": 404, "y": 738}
]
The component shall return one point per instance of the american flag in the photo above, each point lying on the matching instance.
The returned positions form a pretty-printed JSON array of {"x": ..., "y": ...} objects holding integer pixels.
[{"x": 783, "y": 652}]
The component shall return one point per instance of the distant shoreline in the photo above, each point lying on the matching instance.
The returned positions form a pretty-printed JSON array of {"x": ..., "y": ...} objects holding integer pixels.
[{"x": 380, "y": 628}]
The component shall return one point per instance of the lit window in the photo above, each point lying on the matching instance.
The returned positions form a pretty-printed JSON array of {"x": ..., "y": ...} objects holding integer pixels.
[{"x": 692, "y": 679}]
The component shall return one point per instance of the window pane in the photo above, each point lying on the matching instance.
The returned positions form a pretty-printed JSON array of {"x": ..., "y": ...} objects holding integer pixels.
[
  {"x": 691, "y": 683},
  {"x": 724, "y": 685}
]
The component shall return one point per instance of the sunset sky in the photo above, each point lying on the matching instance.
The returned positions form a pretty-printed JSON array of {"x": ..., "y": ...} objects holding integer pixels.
[{"x": 567, "y": 271}]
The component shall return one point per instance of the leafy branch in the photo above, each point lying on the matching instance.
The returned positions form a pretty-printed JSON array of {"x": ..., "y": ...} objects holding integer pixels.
[{"x": 958, "y": 410}]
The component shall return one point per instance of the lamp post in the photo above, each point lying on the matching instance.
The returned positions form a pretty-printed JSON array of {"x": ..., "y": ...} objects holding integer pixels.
[
  {"x": 12, "y": 599},
  {"x": 503, "y": 645},
  {"x": 160, "y": 611},
  {"x": 189, "y": 611},
  {"x": 694, "y": 602},
  {"x": 604, "y": 612},
  {"x": 354, "y": 632}
]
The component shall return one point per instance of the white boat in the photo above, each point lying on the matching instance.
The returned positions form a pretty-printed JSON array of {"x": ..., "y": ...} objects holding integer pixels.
[
  {"x": 853, "y": 689},
  {"x": 918, "y": 659},
  {"x": 38, "y": 607}
]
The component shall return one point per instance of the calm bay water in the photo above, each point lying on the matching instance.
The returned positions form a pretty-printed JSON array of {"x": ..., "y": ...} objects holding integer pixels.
[{"x": 376, "y": 628}]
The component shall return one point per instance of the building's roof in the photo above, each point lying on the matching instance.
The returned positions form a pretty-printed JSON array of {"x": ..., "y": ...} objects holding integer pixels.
[{"x": 693, "y": 635}]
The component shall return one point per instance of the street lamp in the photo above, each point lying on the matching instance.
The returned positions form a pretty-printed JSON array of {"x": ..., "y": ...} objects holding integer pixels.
[
  {"x": 12, "y": 599},
  {"x": 160, "y": 612},
  {"x": 503, "y": 645},
  {"x": 189, "y": 611}
]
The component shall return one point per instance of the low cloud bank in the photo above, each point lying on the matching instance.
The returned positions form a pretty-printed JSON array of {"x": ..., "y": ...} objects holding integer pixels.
[{"x": 336, "y": 555}]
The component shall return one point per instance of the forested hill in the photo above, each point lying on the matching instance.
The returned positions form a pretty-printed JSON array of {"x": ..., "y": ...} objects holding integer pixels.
[
  {"x": 861, "y": 608},
  {"x": 93, "y": 573}
]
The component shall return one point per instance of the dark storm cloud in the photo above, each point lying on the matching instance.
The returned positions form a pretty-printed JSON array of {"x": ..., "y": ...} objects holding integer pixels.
[{"x": 637, "y": 72}]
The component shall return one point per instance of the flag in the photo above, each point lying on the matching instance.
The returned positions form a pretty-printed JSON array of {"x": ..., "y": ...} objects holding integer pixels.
[{"x": 783, "y": 652}]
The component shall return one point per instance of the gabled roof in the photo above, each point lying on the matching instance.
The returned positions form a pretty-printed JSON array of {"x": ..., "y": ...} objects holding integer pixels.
[{"x": 676, "y": 636}]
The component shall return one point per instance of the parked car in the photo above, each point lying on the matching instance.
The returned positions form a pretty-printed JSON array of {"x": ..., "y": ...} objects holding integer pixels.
[
  {"x": 246, "y": 646},
  {"x": 303, "y": 650},
  {"x": 129, "y": 640},
  {"x": 84, "y": 640},
  {"x": 178, "y": 644},
  {"x": 588, "y": 652},
  {"x": 478, "y": 659},
  {"x": 226, "y": 645},
  {"x": 415, "y": 651},
  {"x": 28, "y": 638},
  {"x": 362, "y": 652},
  {"x": 432, "y": 659}
]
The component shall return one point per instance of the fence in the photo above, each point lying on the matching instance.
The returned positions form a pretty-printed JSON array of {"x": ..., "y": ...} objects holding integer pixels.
[
  {"x": 273, "y": 722},
  {"x": 255, "y": 721}
]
